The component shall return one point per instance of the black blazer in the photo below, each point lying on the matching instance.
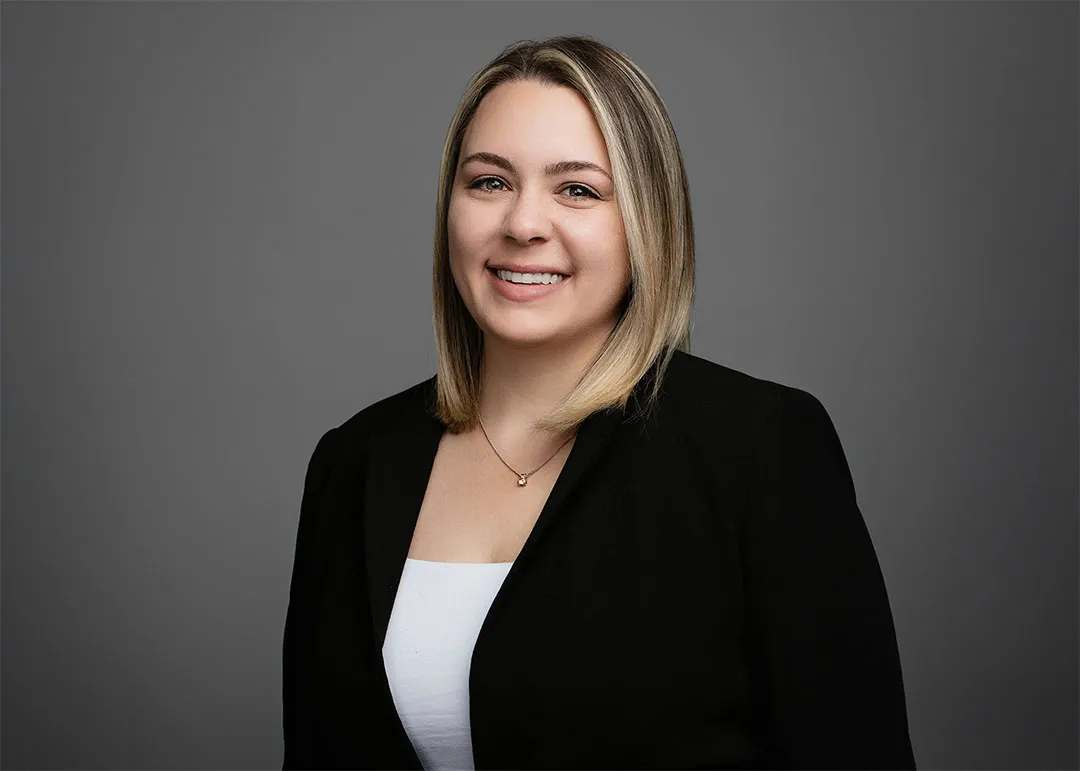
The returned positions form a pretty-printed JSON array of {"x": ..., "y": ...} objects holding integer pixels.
[{"x": 699, "y": 591}]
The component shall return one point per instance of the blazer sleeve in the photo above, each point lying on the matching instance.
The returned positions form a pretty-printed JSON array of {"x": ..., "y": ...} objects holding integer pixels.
[
  {"x": 820, "y": 630},
  {"x": 297, "y": 717}
]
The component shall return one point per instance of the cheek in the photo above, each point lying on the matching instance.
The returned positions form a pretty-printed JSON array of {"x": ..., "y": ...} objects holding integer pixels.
[
  {"x": 468, "y": 233},
  {"x": 457, "y": 237},
  {"x": 454, "y": 226},
  {"x": 601, "y": 248}
]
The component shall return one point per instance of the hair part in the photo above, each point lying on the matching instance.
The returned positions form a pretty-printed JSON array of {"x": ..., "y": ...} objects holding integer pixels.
[{"x": 653, "y": 196}]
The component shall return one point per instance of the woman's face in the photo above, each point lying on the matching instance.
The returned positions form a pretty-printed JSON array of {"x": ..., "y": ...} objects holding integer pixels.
[{"x": 533, "y": 195}]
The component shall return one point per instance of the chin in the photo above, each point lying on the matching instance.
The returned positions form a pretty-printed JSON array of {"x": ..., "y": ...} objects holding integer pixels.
[
  {"x": 527, "y": 341},
  {"x": 524, "y": 336}
]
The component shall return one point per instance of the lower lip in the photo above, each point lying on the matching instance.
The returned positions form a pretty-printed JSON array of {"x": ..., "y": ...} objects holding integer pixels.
[{"x": 512, "y": 291}]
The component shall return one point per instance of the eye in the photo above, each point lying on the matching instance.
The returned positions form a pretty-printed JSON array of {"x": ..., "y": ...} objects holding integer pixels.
[
  {"x": 579, "y": 192},
  {"x": 478, "y": 184},
  {"x": 581, "y": 196}
]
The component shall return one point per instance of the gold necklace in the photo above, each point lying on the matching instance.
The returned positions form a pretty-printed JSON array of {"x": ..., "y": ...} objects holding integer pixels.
[{"x": 523, "y": 479}]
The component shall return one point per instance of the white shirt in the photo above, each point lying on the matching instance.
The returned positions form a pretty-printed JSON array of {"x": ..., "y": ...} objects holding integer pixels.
[{"x": 437, "y": 614}]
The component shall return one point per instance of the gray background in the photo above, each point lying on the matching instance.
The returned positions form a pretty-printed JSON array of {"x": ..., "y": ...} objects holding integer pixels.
[{"x": 217, "y": 228}]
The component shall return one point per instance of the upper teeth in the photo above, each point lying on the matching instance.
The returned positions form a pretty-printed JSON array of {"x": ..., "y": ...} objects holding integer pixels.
[{"x": 530, "y": 278}]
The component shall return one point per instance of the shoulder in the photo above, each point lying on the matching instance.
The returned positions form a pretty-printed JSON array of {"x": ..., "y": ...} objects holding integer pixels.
[
  {"x": 710, "y": 405},
  {"x": 701, "y": 390},
  {"x": 781, "y": 438},
  {"x": 353, "y": 434},
  {"x": 785, "y": 430},
  {"x": 390, "y": 410}
]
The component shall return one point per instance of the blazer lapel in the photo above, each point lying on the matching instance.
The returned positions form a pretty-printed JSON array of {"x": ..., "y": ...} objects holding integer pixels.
[
  {"x": 400, "y": 459},
  {"x": 592, "y": 437},
  {"x": 399, "y": 463}
]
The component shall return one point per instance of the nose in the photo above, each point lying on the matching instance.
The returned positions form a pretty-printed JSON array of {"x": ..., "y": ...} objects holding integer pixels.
[{"x": 527, "y": 219}]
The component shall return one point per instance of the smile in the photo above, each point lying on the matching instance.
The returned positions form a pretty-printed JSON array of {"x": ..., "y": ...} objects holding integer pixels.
[
  {"x": 530, "y": 278},
  {"x": 521, "y": 287}
]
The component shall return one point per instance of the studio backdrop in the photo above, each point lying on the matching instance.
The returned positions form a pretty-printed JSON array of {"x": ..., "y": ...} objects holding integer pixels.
[{"x": 217, "y": 244}]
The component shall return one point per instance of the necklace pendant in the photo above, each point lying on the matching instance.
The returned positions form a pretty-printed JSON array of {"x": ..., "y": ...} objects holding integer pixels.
[{"x": 524, "y": 480}]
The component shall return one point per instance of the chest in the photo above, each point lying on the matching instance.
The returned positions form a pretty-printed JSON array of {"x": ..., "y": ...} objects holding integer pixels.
[
  {"x": 473, "y": 508},
  {"x": 626, "y": 618},
  {"x": 615, "y": 639}
]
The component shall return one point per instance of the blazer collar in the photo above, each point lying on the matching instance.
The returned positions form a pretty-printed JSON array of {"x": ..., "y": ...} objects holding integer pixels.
[{"x": 399, "y": 462}]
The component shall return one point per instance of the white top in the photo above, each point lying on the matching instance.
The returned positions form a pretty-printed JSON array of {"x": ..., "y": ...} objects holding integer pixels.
[{"x": 437, "y": 614}]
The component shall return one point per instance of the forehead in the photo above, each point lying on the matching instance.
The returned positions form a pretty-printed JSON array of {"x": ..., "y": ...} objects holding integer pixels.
[{"x": 535, "y": 122}]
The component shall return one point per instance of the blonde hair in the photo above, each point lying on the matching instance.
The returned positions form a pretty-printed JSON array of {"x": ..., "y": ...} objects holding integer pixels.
[{"x": 654, "y": 200}]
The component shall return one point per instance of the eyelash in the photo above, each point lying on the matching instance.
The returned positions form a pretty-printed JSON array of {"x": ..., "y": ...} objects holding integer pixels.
[{"x": 590, "y": 193}]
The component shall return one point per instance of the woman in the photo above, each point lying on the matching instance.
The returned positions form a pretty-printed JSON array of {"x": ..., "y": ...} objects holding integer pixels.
[{"x": 579, "y": 546}]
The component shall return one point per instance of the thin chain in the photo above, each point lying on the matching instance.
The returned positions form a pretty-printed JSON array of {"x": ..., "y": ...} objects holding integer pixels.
[{"x": 520, "y": 475}]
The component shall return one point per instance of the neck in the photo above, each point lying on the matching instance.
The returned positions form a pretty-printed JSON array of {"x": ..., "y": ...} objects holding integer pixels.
[{"x": 522, "y": 384}]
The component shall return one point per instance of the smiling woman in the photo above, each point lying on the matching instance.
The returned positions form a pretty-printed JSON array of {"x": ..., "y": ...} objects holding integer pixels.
[
  {"x": 578, "y": 545},
  {"x": 538, "y": 218},
  {"x": 561, "y": 159}
]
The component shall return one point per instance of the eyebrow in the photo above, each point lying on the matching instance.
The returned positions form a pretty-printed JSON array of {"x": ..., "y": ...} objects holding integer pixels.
[{"x": 551, "y": 170}]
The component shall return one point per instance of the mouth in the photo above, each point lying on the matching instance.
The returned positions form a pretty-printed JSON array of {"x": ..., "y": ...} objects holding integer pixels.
[
  {"x": 525, "y": 279},
  {"x": 527, "y": 287}
]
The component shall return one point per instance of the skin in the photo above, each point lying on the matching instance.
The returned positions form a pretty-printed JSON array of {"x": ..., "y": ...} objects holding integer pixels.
[{"x": 534, "y": 351}]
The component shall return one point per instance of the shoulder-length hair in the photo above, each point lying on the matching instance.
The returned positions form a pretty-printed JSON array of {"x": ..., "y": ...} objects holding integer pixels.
[{"x": 654, "y": 201}]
